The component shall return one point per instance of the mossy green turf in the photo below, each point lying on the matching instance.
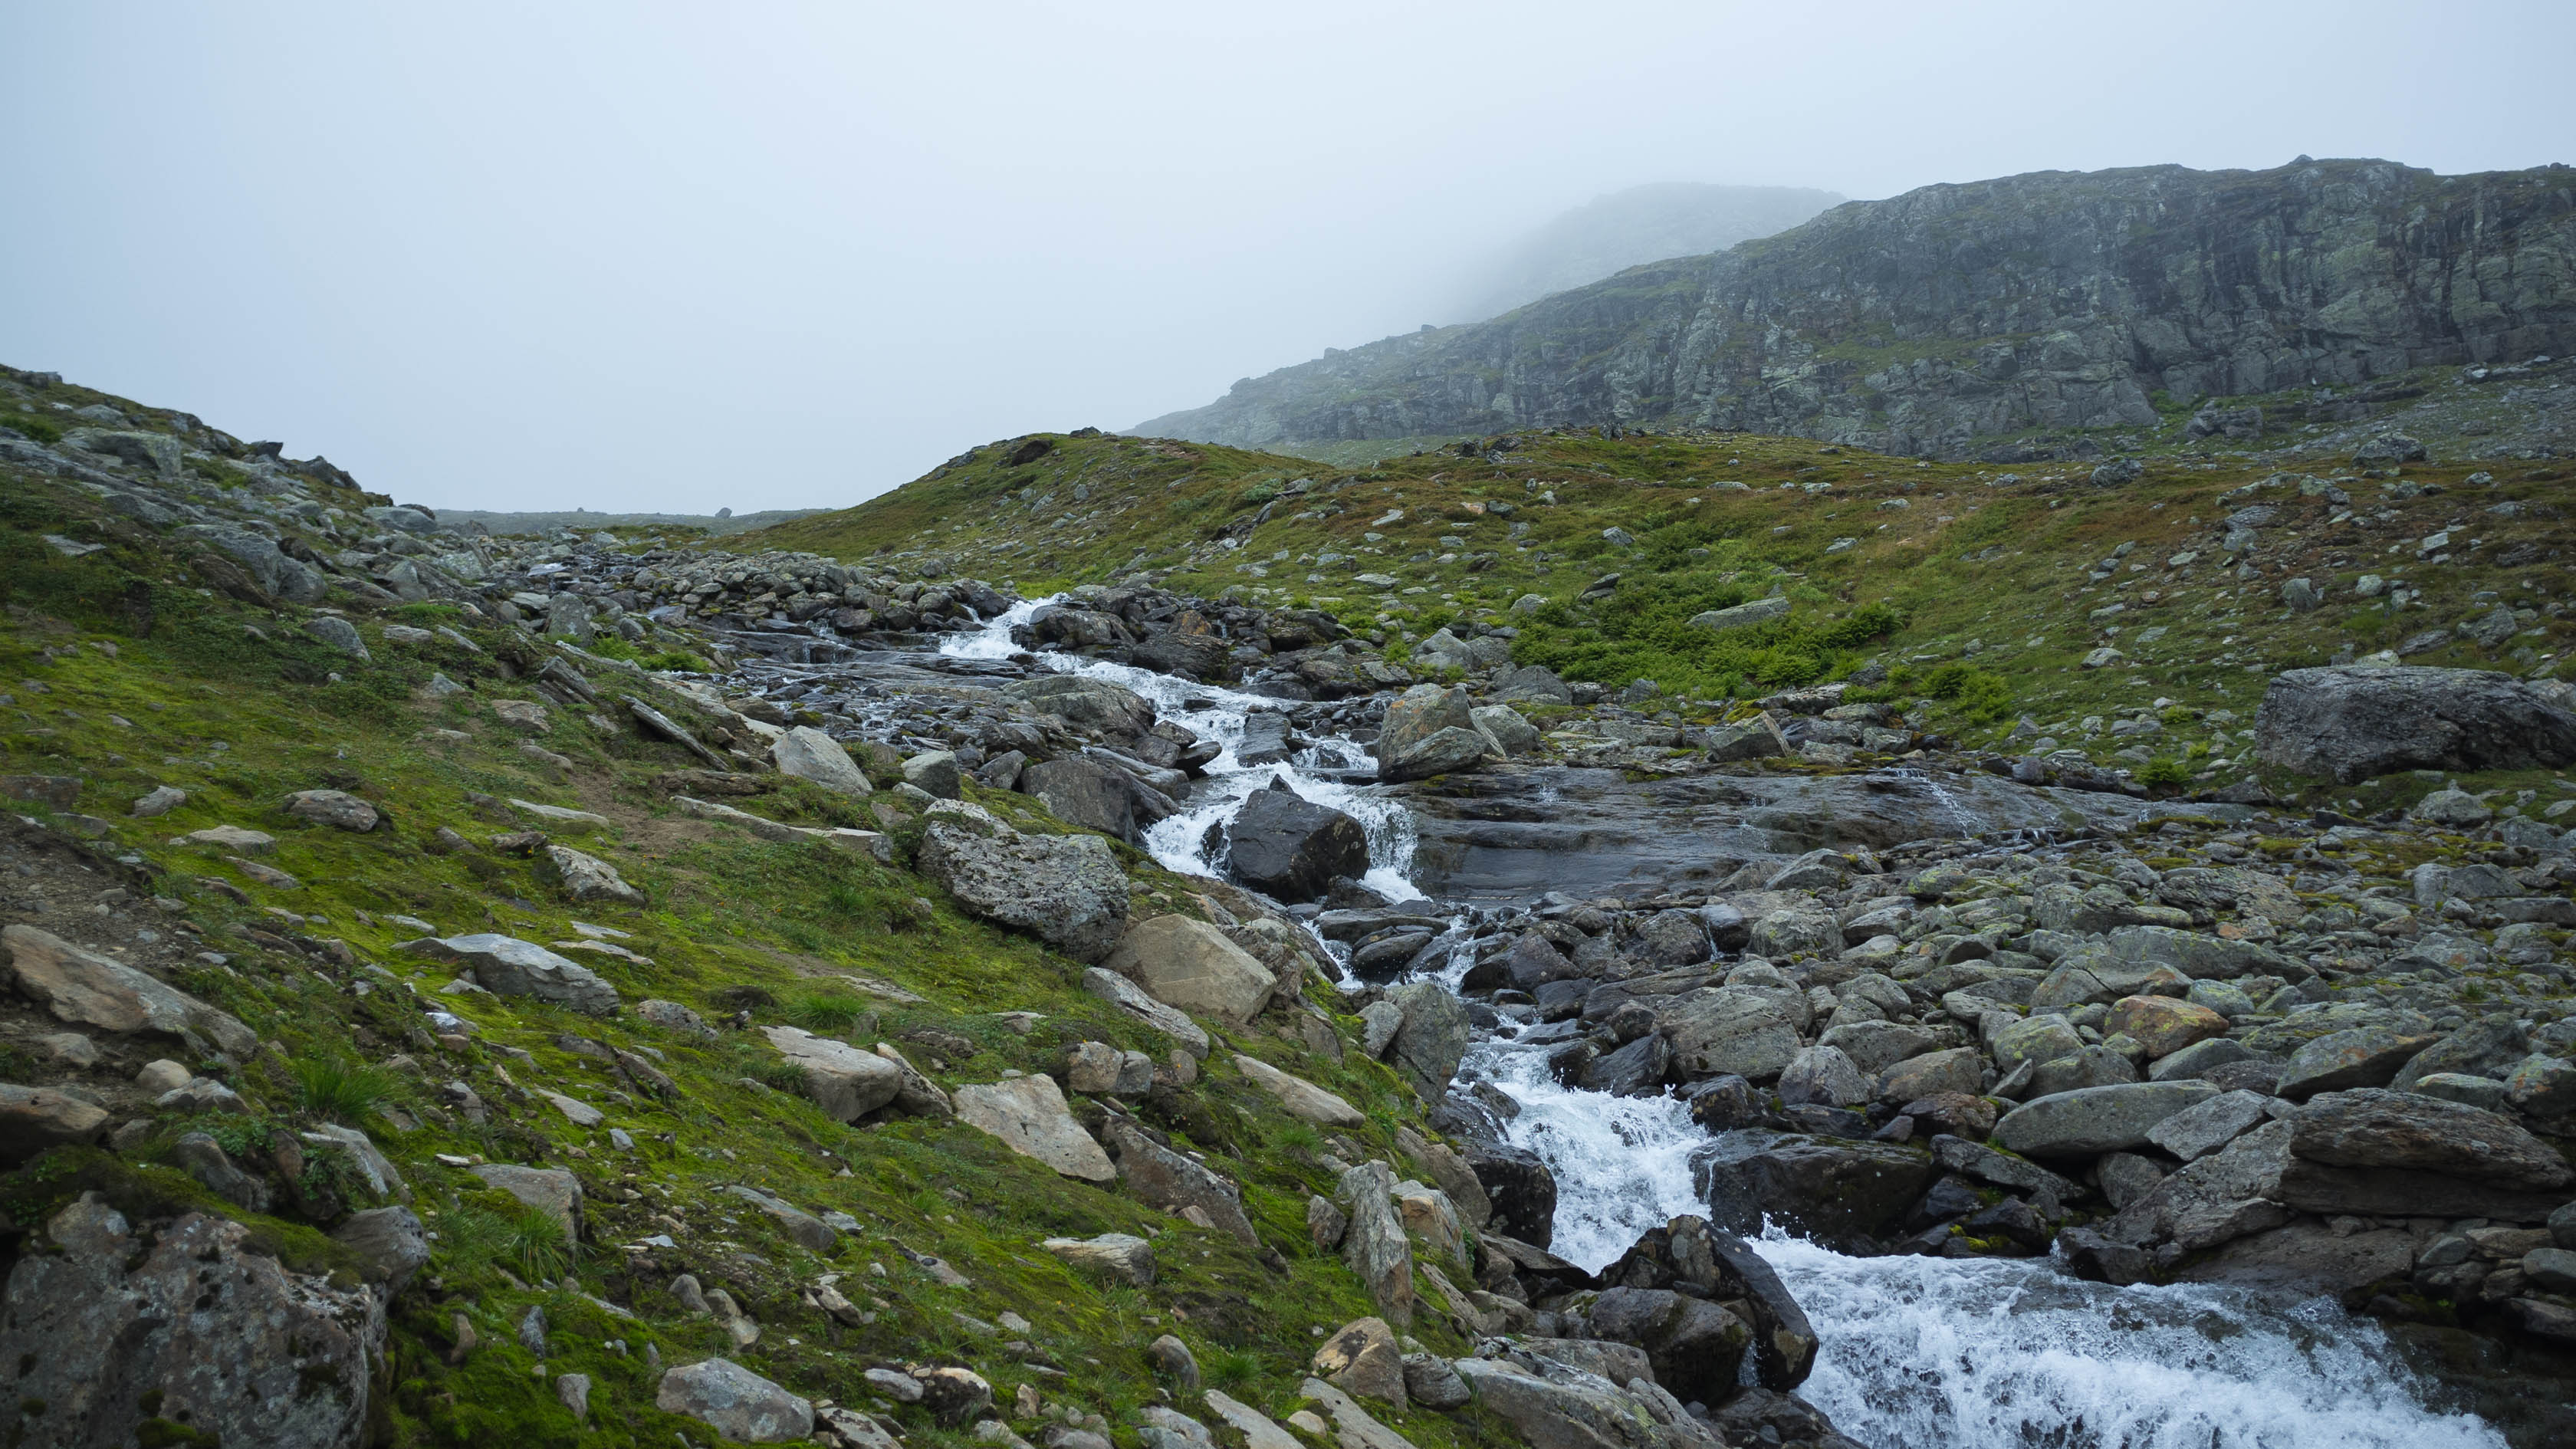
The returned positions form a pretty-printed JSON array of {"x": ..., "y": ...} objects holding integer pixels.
[
  {"x": 190, "y": 698},
  {"x": 1943, "y": 555}
]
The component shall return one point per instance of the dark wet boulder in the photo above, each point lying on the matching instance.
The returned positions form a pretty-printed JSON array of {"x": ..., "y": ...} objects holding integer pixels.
[
  {"x": 1670, "y": 938},
  {"x": 1186, "y": 645},
  {"x": 1079, "y": 790},
  {"x": 1832, "y": 1188},
  {"x": 1696, "y": 1347},
  {"x": 1534, "y": 961},
  {"x": 1266, "y": 739},
  {"x": 1289, "y": 848},
  {"x": 1517, "y": 1184},
  {"x": 2354, "y": 722},
  {"x": 1638, "y": 1069},
  {"x": 1722, "y": 1104}
]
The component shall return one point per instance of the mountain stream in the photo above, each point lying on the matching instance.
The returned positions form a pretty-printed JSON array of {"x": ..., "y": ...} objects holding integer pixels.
[{"x": 1918, "y": 1352}]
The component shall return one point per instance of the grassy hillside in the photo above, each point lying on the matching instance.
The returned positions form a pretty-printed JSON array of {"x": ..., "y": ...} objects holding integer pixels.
[
  {"x": 1985, "y": 587},
  {"x": 121, "y": 671}
]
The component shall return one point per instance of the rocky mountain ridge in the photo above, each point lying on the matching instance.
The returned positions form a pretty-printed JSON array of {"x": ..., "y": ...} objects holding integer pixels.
[{"x": 1937, "y": 322}]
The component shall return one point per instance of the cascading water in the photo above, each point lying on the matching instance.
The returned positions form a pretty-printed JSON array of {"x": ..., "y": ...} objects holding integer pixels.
[
  {"x": 1179, "y": 842},
  {"x": 1917, "y": 1352},
  {"x": 1997, "y": 1354}
]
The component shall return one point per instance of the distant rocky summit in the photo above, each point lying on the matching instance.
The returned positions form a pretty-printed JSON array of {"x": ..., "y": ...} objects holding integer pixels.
[{"x": 1938, "y": 321}]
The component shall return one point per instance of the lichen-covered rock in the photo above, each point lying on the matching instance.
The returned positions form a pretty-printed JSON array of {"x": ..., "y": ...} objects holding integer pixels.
[
  {"x": 1066, "y": 890},
  {"x": 124, "y": 1334},
  {"x": 2353, "y": 722},
  {"x": 735, "y": 1402}
]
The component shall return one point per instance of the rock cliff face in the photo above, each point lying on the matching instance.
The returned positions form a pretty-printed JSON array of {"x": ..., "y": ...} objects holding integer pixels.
[{"x": 1919, "y": 324}]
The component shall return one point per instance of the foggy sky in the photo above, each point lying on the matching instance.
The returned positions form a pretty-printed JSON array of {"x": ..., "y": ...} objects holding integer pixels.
[{"x": 681, "y": 257}]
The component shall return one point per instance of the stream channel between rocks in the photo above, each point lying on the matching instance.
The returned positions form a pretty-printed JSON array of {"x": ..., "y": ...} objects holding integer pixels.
[{"x": 1917, "y": 1351}]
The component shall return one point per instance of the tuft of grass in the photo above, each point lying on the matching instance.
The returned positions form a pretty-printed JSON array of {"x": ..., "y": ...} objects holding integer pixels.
[
  {"x": 342, "y": 1091},
  {"x": 829, "y": 1011},
  {"x": 1230, "y": 1368},
  {"x": 527, "y": 1241},
  {"x": 2164, "y": 772}
]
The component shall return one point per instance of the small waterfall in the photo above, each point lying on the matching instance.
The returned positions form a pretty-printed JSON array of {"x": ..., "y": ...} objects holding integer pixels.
[
  {"x": 1622, "y": 1164},
  {"x": 2005, "y": 1354},
  {"x": 1179, "y": 842}
]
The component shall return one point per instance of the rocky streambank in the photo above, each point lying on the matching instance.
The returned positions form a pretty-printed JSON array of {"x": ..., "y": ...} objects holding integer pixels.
[{"x": 1918, "y": 1001}]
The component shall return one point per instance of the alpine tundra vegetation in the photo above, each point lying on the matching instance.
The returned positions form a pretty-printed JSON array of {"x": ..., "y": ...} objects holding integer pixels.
[{"x": 1649, "y": 915}]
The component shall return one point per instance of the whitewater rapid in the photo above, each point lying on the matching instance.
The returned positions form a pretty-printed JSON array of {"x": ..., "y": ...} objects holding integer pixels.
[
  {"x": 1918, "y": 1353},
  {"x": 1217, "y": 714}
]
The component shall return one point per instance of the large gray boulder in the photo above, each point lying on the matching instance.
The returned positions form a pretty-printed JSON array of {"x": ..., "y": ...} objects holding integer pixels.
[
  {"x": 1066, "y": 890},
  {"x": 1748, "y": 1031},
  {"x": 1821, "y": 1185},
  {"x": 2217, "y": 1198},
  {"x": 1110, "y": 708},
  {"x": 1191, "y": 965},
  {"x": 2353, "y": 722},
  {"x": 1433, "y": 1038},
  {"x": 809, "y": 754},
  {"x": 1696, "y": 1347},
  {"x": 1162, "y": 1178},
  {"x": 1560, "y": 1407},
  {"x": 735, "y": 1402},
  {"x": 2369, "y": 1127},
  {"x": 508, "y": 966},
  {"x": 1374, "y": 1244},
  {"x": 2096, "y": 1120},
  {"x": 1290, "y": 848},
  {"x": 1428, "y": 731},
  {"x": 1079, "y": 790},
  {"x": 1029, "y": 1115},
  {"x": 188, "y": 1324},
  {"x": 85, "y": 988},
  {"x": 841, "y": 1079}
]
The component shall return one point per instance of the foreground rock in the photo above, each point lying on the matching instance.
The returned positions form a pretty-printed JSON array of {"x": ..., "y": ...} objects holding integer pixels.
[
  {"x": 735, "y": 1402},
  {"x": 2353, "y": 722},
  {"x": 1030, "y": 1116},
  {"x": 1291, "y": 849},
  {"x": 1066, "y": 890},
  {"x": 86, "y": 988},
  {"x": 507, "y": 966},
  {"x": 122, "y": 1333}
]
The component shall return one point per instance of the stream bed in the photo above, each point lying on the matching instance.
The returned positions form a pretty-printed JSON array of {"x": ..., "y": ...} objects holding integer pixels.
[{"x": 1917, "y": 1352}]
